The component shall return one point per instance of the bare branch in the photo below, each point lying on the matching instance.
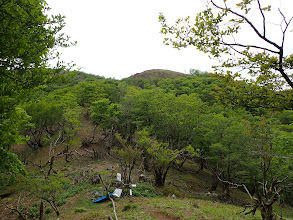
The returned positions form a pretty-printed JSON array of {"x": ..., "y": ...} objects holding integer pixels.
[
  {"x": 264, "y": 18},
  {"x": 235, "y": 185},
  {"x": 79, "y": 153},
  {"x": 284, "y": 18},
  {"x": 250, "y": 24},
  {"x": 14, "y": 209},
  {"x": 108, "y": 196},
  {"x": 252, "y": 46},
  {"x": 281, "y": 181},
  {"x": 287, "y": 25},
  {"x": 268, "y": 154}
]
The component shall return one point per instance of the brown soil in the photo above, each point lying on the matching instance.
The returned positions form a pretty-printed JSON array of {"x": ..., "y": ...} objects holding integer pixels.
[{"x": 163, "y": 216}]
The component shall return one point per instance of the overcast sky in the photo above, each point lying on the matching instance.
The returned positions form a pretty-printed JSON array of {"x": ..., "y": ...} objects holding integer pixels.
[{"x": 120, "y": 38}]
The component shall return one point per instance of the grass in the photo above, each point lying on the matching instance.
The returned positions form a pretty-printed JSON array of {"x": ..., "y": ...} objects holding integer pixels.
[
  {"x": 166, "y": 208},
  {"x": 148, "y": 203},
  {"x": 155, "y": 208},
  {"x": 143, "y": 190},
  {"x": 79, "y": 210}
]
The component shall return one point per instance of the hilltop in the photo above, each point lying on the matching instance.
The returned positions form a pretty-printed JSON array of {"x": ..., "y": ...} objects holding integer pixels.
[{"x": 158, "y": 74}]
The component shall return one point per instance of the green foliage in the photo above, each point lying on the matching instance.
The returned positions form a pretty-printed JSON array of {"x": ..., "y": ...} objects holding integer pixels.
[
  {"x": 28, "y": 37},
  {"x": 177, "y": 120},
  {"x": 79, "y": 210},
  {"x": 273, "y": 148},
  {"x": 34, "y": 212},
  {"x": 250, "y": 95},
  {"x": 142, "y": 190},
  {"x": 105, "y": 113},
  {"x": 53, "y": 115},
  {"x": 48, "y": 210},
  {"x": 45, "y": 188},
  {"x": 126, "y": 208},
  {"x": 92, "y": 90},
  {"x": 229, "y": 145},
  {"x": 217, "y": 31},
  {"x": 10, "y": 167},
  {"x": 202, "y": 84},
  {"x": 127, "y": 156},
  {"x": 10, "y": 126},
  {"x": 71, "y": 190},
  {"x": 158, "y": 154}
]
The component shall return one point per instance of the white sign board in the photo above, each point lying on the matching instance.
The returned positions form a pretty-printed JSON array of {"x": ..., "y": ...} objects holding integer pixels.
[
  {"x": 117, "y": 192},
  {"x": 119, "y": 177}
]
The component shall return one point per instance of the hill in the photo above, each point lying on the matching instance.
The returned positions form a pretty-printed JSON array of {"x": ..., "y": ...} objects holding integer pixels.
[
  {"x": 88, "y": 126},
  {"x": 158, "y": 74}
]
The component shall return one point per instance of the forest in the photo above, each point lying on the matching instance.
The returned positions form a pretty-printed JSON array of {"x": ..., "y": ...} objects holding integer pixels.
[{"x": 192, "y": 138}]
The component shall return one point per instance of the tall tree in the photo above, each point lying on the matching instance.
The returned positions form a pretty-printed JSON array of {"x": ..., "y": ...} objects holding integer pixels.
[
  {"x": 274, "y": 163},
  {"x": 219, "y": 30},
  {"x": 28, "y": 40},
  {"x": 159, "y": 155},
  {"x": 227, "y": 156}
]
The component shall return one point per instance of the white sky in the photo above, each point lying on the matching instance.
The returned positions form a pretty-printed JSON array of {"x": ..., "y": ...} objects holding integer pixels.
[{"x": 120, "y": 38}]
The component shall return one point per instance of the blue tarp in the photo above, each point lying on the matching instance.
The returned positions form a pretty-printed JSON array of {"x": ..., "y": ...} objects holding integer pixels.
[{"x": 102, "y": 198}]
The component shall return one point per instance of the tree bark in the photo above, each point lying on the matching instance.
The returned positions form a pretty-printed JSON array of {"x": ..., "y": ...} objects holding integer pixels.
[
  {"x": 51, "y": 165},
  {"x": 267, "y": 212},
  {"x": 159, "y": 177},
  {"x": 41, "y": 211},
  {"x": 215, "y": 183}
]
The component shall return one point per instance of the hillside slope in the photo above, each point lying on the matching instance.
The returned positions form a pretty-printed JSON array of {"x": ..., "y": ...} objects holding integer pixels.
[
  {"x": 158, "y": 74},
  {"x": 186, "y": 194}
]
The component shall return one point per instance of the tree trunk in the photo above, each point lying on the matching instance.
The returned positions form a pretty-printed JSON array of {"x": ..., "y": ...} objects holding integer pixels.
[
  {"x": 267, "y": 212},
  {"x": 226, "y": 189},
  {"x": 159, "y": 179},
  {"x": 66, "y": 152},
  {"x": 215, "y": 183},
  {"x": 55, "y": 208},
  {"x": 183, "y": 161},
  {"x": 201, "y": 164},
  {"x": 51, "y": 165},
  {"x": 41, "y": 211},
  {"x": 146, "y": 163},
  {"x": 160, "y": 175}
]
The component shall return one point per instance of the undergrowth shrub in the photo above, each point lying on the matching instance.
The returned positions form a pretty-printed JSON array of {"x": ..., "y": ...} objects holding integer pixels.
[
  {"x": 71, "y": 190},
  {"x": 34, "y": 212},
  {"x": 48, "y": 210},
  {"x": 79, "y": 210},
  {"x": 143, "y": 190},
  {"x": 126, "y": 207}
]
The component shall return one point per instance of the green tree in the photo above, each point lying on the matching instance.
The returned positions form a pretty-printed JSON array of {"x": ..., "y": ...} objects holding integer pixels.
[
  {"x": 218, "y": 31},
  {"x": 229, "y": 143},
  {"x": 46, "y": 189},
  {"x": 176, "y": 120},
  {"x": 127, "y": 156},
  {"x": 106, "y": 115},
  {"x": 159, "y": 155},
  {"x": 28, "y": 39},
  {"x": 274, "y": 162},
  {"x": 55, "y": 120},
  {"x": 50, "y": 115},
  {"x": 11, "y": 125}
]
